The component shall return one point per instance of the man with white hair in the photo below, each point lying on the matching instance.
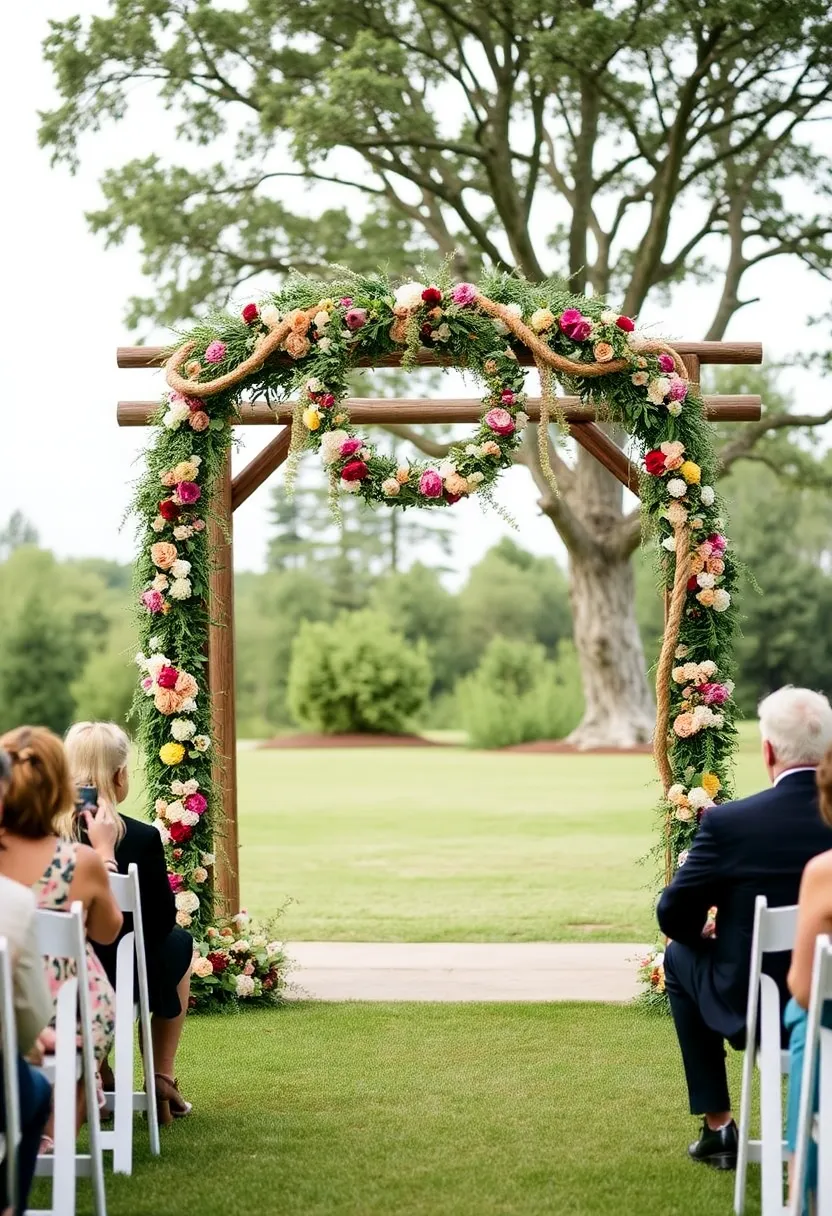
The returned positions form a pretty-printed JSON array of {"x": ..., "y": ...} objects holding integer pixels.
[{"x": 757, "y": 846}]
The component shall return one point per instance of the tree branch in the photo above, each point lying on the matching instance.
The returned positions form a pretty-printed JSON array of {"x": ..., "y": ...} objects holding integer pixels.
[{"x": 743, "y": 445}]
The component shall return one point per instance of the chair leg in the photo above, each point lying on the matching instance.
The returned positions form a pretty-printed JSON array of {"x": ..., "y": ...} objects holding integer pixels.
[
  {"x": 824, "y": 1193},
  {"x": 123, "y": 1116},
  {"x": 771, "y": 1107},
  {"x": 65, "y": 1105}
]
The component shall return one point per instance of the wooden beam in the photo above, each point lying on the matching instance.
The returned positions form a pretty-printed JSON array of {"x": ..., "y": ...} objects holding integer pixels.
[
  {"x": 609, "y": 454},
  {"x": 380, "y": 410},
  {"x": 706, "y": 352},
  {"x": 257, "y": 470},
  {"x": 221, "y": 684}
]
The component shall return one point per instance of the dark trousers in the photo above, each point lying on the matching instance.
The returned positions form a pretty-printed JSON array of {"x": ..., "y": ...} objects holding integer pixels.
[
  {"x": 700, "y": 1030},
  {"x": 35, "y": 1108}
]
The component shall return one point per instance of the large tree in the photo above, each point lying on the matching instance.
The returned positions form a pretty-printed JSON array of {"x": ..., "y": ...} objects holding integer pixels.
[{"x": 625, "y": 144}]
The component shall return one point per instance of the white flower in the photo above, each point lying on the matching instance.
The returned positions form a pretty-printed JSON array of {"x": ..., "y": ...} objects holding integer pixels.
[
  {"x": 476, "y": 478},
  {"x": 365, "y": 453},
  {"x": 331, "y": 445},
  {"x": 323, "y": 344},
  {"x": 669, "y": 543},
  {"x": 521, "y": 420},
  {"x": 273, "y": 949},
  {"x": 160, "y": 582},
  {"x": 446, "y": 468},
  {"x": 730, "y": 685},
  {"x": 187, "y": 901},
  {"x": 514, "y": 309},
  {"x": 201, "y": 743},
  {"x": 182, "y": 729},
  {"x": 190, "y": 787},
  {"x": 314, "y": 385},
  {"x": 140, "y": 659},
  {"x": 442, "y": 333},
  {"x": 609, "y": 318},
  {"x": 471, "y": 449},
  {"x": 674, "y": 408},
  {"x": 155, "y": 642},
  {"x": 174, "y": 812},
  {"x": 657, "y": 389},
  {"x": 270, "y": 316},
  {"x": 245, "y": 986},
  {"x": 349, "y": 487},
  {"x": 707, "y": 496},
  {"x": 681, "y": 652},
  {"x": 155, "y": 664},
  {"x": 183, "y": 919},
  {"x": 722, "y": 599},
  {"x": 675, "y": 793},
  {"x": 409, "y": 295},
  {"x": 180, "y": 568},
  {"x": 658, "y": 960},
  {"x": 683, "y": 856},
  {"x": 240, "y": 918},
  {"x": 159, "y": 524},
  {"x": 500, "y": 326},
  {"x": 321, "y": 319},
  {"x": 177, "y": 412},
  {"x": 207, "y": 859},
  {"x": 180, "y": 589},
  {"x": 188, "y": 706},
  {"x": 199, "y": 874},
  {"x": 708, "y": 668},
  {"x": 183, "y": 532},
  {"x": 241, "y": 947},
  {"x": 677, "y": 487},
  {"x": 189, "y": 818},
  {"x": 699, "y": 798},
  {"x": 390, "y": 487},
  {"x": 159, "y": 825},
  {"x": 706, "y": 580}
]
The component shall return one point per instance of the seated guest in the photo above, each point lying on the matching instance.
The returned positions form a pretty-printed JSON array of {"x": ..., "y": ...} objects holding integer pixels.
[
  {"x": 59, "y": 871},
  {"x": 757, "y": 846},
  {"x": 98, "y": 754},
  {"x": 814, "y": 919},
  {"x": 33, "y": 1010}
]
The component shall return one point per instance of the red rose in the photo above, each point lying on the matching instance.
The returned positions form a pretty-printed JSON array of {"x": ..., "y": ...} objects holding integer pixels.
[
  {"x": 693, "y": 585},
  {"x": 432, "y": 295},
  {"x": 626, "y": 323},
  {"x": 654, "y": 463},
  {"x": 167, "y": 677},
  {"x": 425, "y": 331},
  {"x": 168, "y": 509},
  {"x": 251, "y": 313},
  {"x": 218, "y": 961},
  {"x": 180, "y": 833},
  {"x": 356, "y": 470},
  {"x": 450, "y": 499},
  {"x": 327, "y": 400}
]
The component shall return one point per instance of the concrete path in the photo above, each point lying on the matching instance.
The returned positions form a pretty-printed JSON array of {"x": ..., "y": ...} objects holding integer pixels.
[{"x": 474, "y": 971}]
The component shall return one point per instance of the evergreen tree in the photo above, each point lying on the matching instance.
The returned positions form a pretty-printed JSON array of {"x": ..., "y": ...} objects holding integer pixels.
[
  {"x": 16, "y": 532},
  {"x": 38, "y": 662}
]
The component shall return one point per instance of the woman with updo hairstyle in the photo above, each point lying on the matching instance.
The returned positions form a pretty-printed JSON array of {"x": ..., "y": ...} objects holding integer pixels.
[
  {"x": 98, "y": 755},
  {"x": 813, "y": 919},
  {"x": 38, "y": 796}
]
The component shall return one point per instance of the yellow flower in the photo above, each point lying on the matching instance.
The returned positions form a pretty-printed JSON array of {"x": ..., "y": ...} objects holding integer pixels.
[
  {"x": 542, "y": 320},
  {"x": 711, "y": 784},
  {"x": 691, "y": 472},
  {"x": 327, "y": 304},
  {"x": 311, "y": 419},
  {"x": 171, "y": 753},
  {"x": 339, "y": 418}
]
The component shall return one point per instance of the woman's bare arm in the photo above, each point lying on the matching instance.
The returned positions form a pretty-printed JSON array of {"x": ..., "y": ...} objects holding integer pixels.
[
  {"x": 814, "y": 917},
  {"x": 92, "y": 885}
]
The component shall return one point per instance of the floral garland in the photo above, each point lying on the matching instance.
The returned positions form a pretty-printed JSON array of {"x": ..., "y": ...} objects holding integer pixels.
[{"x": 303, "y": 343}]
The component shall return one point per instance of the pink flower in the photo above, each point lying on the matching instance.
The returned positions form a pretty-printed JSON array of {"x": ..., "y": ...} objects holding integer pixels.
[
  {"x": 575, "y": 325},
  {"x": 248, "y": 969},
  {"x": 507, "y": 396},
  {"x": 326, "y": 401},
  {"x": 188, "y": 492},
  {"x": 500, "y": 421},
  {"x": 626, "y": 323},
  {"x": 463, "y": 294},
  {"x": 678, "y": 389},
  {"x": 153, "y": 601},
  {"x": 197, "y": 803},
  {"x": 356, "y": 317},
  {"x": 177, "y": 882},
  {"x": 718, "y": 543},
  {"x": 355, "y": 470},
  {"x": 147, "y": 684},
  {"x": 714, "y": 694},
  {"x": 215, "y": 352},
  {"x": 345, "y": 301},
  {"x": 350, "y": 446},
  {"x": 667, "y": 363},
  {"x": 430, "y": 483},
  {"x": 167, "y": 677},
  {"x": 198, "y": 525}
]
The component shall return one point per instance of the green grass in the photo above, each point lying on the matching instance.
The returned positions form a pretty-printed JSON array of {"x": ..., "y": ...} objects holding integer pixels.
[{"x": 428, "y": 1110}]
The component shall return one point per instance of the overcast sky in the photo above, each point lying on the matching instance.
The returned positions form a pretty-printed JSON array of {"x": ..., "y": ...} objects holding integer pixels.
[{"x": 66, "y": 463}]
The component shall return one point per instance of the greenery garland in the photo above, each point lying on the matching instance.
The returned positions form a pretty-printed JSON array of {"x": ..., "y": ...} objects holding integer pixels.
[{"x": 328, "y": 328}]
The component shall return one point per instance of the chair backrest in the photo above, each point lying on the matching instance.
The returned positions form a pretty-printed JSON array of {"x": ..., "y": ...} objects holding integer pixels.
[
  {"x": 775, "y": 928},
  {"x": 125, "y": 888},
  {"x": 62, "y": 935},
  {"x": 8, "y": 1038}
]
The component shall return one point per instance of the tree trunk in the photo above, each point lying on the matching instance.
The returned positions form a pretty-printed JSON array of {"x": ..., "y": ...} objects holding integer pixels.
[{"x": 619, "y": 708}]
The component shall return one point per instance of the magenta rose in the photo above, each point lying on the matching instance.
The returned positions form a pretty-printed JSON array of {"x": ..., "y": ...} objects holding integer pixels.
[
  {"x": 718, "y": 543},
  {"x": 177, "y": 883},
  {"x": 350, "y": 446},
  {"x": 500, "y": 422},
  {"x": 355, "y": 318},
  {"x": 345, "y": 301},
  {"x": 575, "y": 325},
  {"x": 507, "y": 397},
  {"x": 356, "y": 470},
  {"x": 678, "y": 389},
  {"x": 153, "y": 601},
  {"x": 215, "y": 352},
  {"x": 188, "y": 492},
  {"x": 430, "y": 483},
  {"x": 167, "y": 677},
  {"x": 463, "y": 294},
  {"x": 666, "y": 363},
  {"x": 714, "y": 694},
  {"x": 197, "y": 803},
  {"x": 326, "y": 401}
]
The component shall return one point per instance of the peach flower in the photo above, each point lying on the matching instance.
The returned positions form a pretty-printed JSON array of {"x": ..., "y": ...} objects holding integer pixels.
[
  {"x": 603, "y": 352},
  {"x": 402, "y": 475},
  {"x": 490, "y": 448},
  {"x": 715, "y": 565},
  {"x": 672, "y": 463},
  {"x": 163, "y": 554},
  {"x": 297, "y": 321},
  {"x": 684, "y": 726},
  {"x": 296, "y": 345},
  {"x": 169, "y": 478},
  {"x": 697, "y": 564},
  {"x": 167, "y": 701},
  {"x": 193, "y": 369},
  {"x": 490, "y": 367},
  {"x": 186, "y": 685},
  {"x": 456, "y": 484},
  {"x": 706, "y": 597},
  {"x": 398, "y": 331},
  {"x": 199, "y": 421}
]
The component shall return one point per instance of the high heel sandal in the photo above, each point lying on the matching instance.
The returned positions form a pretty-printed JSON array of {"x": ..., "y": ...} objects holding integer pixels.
[{"x": 169, "y": 1102}]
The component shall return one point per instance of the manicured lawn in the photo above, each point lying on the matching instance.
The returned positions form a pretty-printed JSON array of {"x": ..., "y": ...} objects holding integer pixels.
[{"x": 437, "y": 1110}]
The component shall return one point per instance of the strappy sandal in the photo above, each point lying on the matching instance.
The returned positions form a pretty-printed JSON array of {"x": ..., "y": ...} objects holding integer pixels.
[{"x": 169, "y": 1102}]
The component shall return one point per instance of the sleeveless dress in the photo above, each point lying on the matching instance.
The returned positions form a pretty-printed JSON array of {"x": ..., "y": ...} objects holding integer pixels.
[{"x": 52, "y": 893}]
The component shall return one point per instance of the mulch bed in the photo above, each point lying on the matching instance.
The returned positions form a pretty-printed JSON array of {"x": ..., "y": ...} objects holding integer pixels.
[
  {"x": 293, "y": 741},
  {"x": 545, "y": 747}
]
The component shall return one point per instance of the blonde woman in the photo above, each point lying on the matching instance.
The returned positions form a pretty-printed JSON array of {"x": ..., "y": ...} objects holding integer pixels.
[{"x": 98, "y": 755}]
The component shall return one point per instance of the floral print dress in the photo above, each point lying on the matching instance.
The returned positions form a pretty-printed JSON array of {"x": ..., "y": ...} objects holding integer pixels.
[{"x": 52, "y": 893}]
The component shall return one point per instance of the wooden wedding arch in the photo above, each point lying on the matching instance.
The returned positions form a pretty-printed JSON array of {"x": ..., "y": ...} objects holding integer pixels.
[{"x": 232, "y": 492}]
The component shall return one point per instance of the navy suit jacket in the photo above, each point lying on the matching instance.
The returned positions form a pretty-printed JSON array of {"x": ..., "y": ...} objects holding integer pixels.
[{"x": 757, "y": 846}]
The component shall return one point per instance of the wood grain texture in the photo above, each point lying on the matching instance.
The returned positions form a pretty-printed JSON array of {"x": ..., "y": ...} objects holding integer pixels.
[{"x": 262, "y": 466}]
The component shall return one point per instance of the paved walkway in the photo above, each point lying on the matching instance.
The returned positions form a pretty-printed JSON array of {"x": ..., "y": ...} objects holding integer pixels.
[{"x": 473, "y": 971}]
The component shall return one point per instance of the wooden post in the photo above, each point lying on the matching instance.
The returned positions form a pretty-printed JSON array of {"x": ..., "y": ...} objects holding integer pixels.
[{"x": 221, "y": 684}]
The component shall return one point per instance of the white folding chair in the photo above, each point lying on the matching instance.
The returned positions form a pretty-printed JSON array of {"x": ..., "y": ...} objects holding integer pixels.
[
  {"x": 61, "y": 935},
  {"x": 774, "y": 932},
  {"x": 124, "y": 1100},
  {"x": 818, "y": 1046},
  {"x": 10, "y": 1140}
]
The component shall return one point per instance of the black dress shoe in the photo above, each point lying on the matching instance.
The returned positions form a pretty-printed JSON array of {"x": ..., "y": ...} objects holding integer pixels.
[{"x": 716, "y": 1149}]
